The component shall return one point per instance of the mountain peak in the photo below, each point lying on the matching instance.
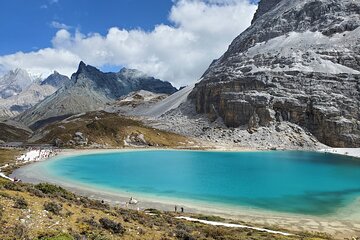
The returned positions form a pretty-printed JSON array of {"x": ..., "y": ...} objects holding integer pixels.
[
  {"x": 56, "y": 80},
  {"x": 86, "y": 69},
  {"x": 264, "y": 7},
  {"x": 82, "y": 66}
]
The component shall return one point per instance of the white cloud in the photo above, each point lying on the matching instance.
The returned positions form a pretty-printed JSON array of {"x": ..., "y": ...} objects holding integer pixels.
[
  {"x": 201, "y": 32},
  {"x": 50, "y": 2},
  {"x": 59, "y": 25}
]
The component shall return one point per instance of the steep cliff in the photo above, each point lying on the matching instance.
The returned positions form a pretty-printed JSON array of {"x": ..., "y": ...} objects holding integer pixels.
[{"x": 298, "y": 62}]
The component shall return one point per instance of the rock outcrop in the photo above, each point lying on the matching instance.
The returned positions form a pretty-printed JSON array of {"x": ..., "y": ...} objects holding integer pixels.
[
  {"x": 89, "y": 90},
  {"x": 299, "y": 62},
  {"x": 56, "y": 80}
]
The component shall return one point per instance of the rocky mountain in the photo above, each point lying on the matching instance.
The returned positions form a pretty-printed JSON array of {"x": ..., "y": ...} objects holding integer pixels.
[
  {"x": 14, "y": 82},
  {"x": 56, "y": 80},
  {"x": 28, "y": 92},
  {"x": 90, "y": 89},
  {"x": 299, "y": 62}
]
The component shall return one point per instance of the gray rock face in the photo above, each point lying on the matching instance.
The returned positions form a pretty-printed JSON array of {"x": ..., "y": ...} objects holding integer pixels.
[
  {"x": 19, "y": 91},
  {"x": 298, "y": 62},
  {"x": 89, "y": 90},
  {"x": 264, "y": 7},
  {"x": 56, "y": 80},
  {"x": 14, "y": 82}
]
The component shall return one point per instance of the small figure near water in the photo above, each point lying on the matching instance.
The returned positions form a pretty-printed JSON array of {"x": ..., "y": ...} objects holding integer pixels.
[
  {"x": 182, "y": 210},
  {"x": 133, "y": 201},
  {"x": 16, "y": 180},
  {"x": 175, "y": 208}
]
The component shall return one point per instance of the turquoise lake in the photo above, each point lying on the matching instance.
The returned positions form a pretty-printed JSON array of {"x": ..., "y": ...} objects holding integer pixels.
[{"x": 284, "y": 181}]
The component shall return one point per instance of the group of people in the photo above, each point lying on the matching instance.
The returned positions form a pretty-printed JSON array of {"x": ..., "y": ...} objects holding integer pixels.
[
  {"x": 133, "y": 201},
  {"x": 181, "y": 209}
]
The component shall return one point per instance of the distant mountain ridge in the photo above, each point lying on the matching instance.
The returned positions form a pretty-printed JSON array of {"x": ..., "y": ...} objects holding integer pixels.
[
  {"x": 14, "y": 82},
  {"x": 90, "y": 89},
  {"x": 298, "y": 62},
  {"x": 21, "y": 91}
]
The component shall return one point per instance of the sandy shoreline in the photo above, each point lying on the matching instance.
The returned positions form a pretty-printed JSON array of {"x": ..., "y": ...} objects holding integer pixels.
[
  {"x": 337, "y": 227},
  {"x": 351, "y": 152}
]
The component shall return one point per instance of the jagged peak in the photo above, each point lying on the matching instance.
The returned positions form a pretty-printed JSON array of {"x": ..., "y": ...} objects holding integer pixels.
[
  {"x": 83, "y": 68},
  {"x": 264, "y": 7}
]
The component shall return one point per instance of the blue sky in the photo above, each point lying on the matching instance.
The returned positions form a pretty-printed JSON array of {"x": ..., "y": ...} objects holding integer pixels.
[
  {"x": 27, "y": 25},
  {"x": 154, "y": 36}
]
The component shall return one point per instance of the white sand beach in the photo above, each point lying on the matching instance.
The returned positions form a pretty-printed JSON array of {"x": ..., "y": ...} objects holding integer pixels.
[{"x": 351, "y": 152}]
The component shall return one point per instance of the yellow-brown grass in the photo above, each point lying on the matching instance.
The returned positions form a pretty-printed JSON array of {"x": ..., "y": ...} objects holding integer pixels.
[
  {"x": 80, "y": 217},
  {"x": 109, "y": 130}
]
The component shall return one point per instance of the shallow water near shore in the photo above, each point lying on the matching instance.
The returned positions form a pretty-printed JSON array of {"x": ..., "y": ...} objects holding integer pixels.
[{"x": 295, "y": 182}]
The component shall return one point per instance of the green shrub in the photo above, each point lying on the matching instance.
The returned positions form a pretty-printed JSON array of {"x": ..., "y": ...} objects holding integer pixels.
[
  {"x": 1, "y": 211},
  {"x": 53, "y": 207},
  {"x": 21, "y": 203},
  {"x": 13, "y": 186},
  {"x": 153, "y": 211},
  {"x": 5, "y": 195},
  {"x": 183, "y": 232},
  {"x": 112, "y": 226},
  {"x": 35, "y": 192},
  {"x": 183, "y": 235},
  {"x": 91, "y": 222},
  {"x": 210, "y": 218},
  {"x": 61, "y": 236},
  {"x": 49, "y": 188},
  {"x": 54, "y": 191},
  {"x": 97, "y": 236},
  {"x": 20, "y": 231}
]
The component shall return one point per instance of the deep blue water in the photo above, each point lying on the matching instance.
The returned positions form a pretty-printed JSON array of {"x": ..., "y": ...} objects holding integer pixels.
[{"x": 296, "y": 182}]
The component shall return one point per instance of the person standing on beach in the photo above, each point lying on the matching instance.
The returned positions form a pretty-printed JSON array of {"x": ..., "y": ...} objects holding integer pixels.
[
  {"x": 175, "y": 208},
  {"x": 182, "y": 210}
]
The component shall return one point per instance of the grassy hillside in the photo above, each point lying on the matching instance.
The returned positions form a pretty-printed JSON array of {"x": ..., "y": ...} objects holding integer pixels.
[
  {"x": 106, "y": 130},
  {"x": 46, "y": 211},
  {"x": 8, "y": 156},
  {"x": 10, "y": 133}
]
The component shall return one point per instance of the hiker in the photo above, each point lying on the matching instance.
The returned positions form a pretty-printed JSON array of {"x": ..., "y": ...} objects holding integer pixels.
[
  {"x": 182, "y": 209},
  {"x": 175, "y": 208}
]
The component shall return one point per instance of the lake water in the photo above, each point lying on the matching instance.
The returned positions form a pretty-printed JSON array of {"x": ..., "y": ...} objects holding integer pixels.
[{"x": 285, "y": 181}]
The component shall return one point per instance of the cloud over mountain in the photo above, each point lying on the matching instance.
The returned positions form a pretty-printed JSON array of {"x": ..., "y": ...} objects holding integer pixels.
[{"x": 200, "y": 31}]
